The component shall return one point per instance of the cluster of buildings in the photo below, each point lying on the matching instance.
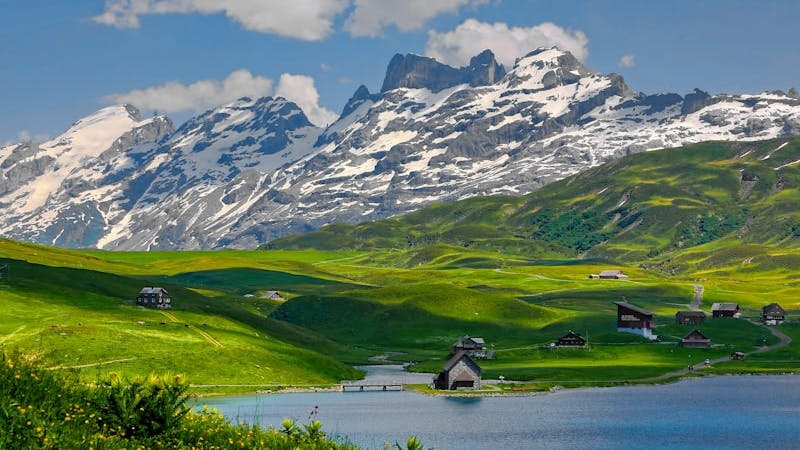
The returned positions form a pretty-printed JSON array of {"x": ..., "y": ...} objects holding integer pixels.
[{"x": 636, "y": 320}]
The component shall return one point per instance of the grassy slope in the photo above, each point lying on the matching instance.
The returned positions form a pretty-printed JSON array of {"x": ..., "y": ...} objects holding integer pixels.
[
  {"x": 653, "y": 207},
  {"x": 79, "y": 310},
  {"x": 501, "y": 267}
]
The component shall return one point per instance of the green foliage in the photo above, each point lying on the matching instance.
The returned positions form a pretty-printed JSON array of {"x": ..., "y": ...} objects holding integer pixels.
[{"x": 45, "y": 409}]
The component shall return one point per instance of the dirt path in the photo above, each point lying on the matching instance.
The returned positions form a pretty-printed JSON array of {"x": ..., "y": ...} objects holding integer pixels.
[
  {"x": 83, "y": 366},
  {"x": 210, "y": 339},
  {"x": 698, "y": 297},
  {"x": 783, "y": 341}
]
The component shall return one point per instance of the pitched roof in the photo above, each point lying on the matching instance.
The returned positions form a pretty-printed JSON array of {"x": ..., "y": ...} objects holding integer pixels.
[
  {"x": 571, "y": 334},
  {"x": 724, "y": 306},
  {"x": 611, "y": 272},
  {"x": 456, "y": 358},
  {"x": 476, "y": 340},
  {"x": 773, "y": 308},
  {"x": 691, "y": 313},
  {"x": 634, "y": 308},
  {"x": 152, "y": 290},
  {"x": 696, "y": 335}
]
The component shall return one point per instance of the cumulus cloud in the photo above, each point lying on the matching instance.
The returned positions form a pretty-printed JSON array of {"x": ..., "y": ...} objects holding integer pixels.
[
  {"x": 627, "y": 61},
  {"x": 175, "y": 96},
  {"x": 370, "y": 17},
  {"x": 301, "y": 90},
  {"x": 310, "y": 20},
  {"x": 456, "y": 47},
  {"x": 201, "y": 95},
  {"x": 27, "y": 136}
]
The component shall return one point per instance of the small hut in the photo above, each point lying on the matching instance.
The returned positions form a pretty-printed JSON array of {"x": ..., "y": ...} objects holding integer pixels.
[
  {"x": 571, "y": 339},
  {"x": 472, "y": 346},
  {"x": 773, "y": 314},
  {"x": 273, "y": 295},
  {"x": 725, "y": 310},
  {"x": 460, "y": 372},
  {"x": 738, "y": 356},
  {"x": 690, "y": 317},
  {"x": 609, "y": 275},
  {"x": 154, "y": 297},
  {"x": 695, "y": 339}
]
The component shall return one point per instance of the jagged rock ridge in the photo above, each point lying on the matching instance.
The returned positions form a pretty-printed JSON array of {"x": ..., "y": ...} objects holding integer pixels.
[{"x": 253, "y": 170}]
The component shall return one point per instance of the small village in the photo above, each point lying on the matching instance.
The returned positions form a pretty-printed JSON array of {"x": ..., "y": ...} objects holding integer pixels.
[{"x": 462, "y": 371}]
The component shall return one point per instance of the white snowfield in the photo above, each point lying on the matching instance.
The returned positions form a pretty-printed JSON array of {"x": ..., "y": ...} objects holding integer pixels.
[{"x": 256, "y": 169}]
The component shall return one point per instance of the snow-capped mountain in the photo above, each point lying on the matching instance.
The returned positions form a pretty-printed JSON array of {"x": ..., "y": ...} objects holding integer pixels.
[{"x": 253, "y": 170}]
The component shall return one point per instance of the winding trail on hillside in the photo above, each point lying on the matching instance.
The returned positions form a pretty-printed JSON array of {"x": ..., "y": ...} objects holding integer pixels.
[
  {"x": 83, "y": 366},
  {"x": 783, "y": 341},
  {"x": 204, "y": 334},
  {"x": 698, "y": 297}
]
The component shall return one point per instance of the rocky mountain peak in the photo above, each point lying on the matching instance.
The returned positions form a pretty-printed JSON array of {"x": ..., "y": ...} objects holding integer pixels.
[{"x": 414, "y": 71}]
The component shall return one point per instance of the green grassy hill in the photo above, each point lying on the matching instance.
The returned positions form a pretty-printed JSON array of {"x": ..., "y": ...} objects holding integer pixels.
[
  {"x": 708, "y": 204},
  {"x": 513, "y": 270}
]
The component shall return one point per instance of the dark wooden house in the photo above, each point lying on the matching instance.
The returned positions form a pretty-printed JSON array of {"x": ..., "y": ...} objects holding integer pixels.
[
  {"x": 632, "y": 319},
  {"x": 725, "y": 310},
  {"x": 154, "y": 297},
  {"x": 690, "y": 317},
  {"x": 695, "y": 339},
  {"x": 472, "y": 346},
  {"x": 460, "y": 372},
  {"x": 571, "y": 339},
  {"x": 773, "y": 314}
]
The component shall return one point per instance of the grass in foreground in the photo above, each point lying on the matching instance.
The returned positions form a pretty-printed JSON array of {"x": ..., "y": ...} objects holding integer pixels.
[{"x": 52, "y": 410}]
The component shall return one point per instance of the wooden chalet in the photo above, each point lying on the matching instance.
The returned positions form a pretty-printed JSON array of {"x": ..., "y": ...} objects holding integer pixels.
[
  {"x": 571, "y": 339},
  {"x": 460, "y": 372},
  {"x": 632, "y": 319},
  {"x": 610, "y": 275},
  {"x": 695, "y": 339},
  {"x": 273, "y": 295},
  {"x": 472, "y": 346},
  {"x": 773, "y": 314},
  {"x": 689, "y": 317},
  {"x": 154, "y": 297},
  {"x": 725, "y": 310}
]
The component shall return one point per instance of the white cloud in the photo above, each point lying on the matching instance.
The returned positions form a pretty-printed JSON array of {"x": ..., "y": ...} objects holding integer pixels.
[
  {"x": 370, "y": 17},
  {"x": 175, "y": 96},
  {"x": 310, "y": 20},
  {"x": 325, "y": 67},
  {"x": 27, "y": 136},
  {"x": 627, "y": 61},
  {"x": 300, "y": 89},
  {"x": 508, "y": 43}
]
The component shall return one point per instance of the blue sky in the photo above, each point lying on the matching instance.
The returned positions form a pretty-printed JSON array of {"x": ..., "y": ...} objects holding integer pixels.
[{"x": 62, "y": 60}]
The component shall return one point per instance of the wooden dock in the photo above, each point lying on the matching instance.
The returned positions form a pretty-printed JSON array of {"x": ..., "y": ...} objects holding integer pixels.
[{"x": 354, "y": 386}]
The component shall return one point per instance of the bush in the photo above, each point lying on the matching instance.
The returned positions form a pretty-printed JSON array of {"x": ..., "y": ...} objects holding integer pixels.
[{"x": 53, "y": 410}]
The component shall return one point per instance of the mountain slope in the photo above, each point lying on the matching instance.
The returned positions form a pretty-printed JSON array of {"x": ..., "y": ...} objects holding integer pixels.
[
  {"x": 256, "y": 169},
  {"x": 656, "y": 206},
  {"x": 547, "y": 118}
]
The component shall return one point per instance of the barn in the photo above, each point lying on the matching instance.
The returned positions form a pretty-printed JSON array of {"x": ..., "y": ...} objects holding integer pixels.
[
  {"x": 773, "y": 314},
  {"x": 725, "y": 310},
  {"x": 571, "y": 339},
  {"x": 472, "y": 346},
  {"x": 689, "y": 317},
  {"x": 460, "y": 372},
  {"x": 154, "y": 297},
  {"x": 632, "y": 319},
  {"x": 695, "y": 339}
]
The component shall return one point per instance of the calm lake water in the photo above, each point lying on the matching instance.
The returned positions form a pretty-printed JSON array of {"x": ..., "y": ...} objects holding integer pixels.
[{"x": 719, "y": 412}]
